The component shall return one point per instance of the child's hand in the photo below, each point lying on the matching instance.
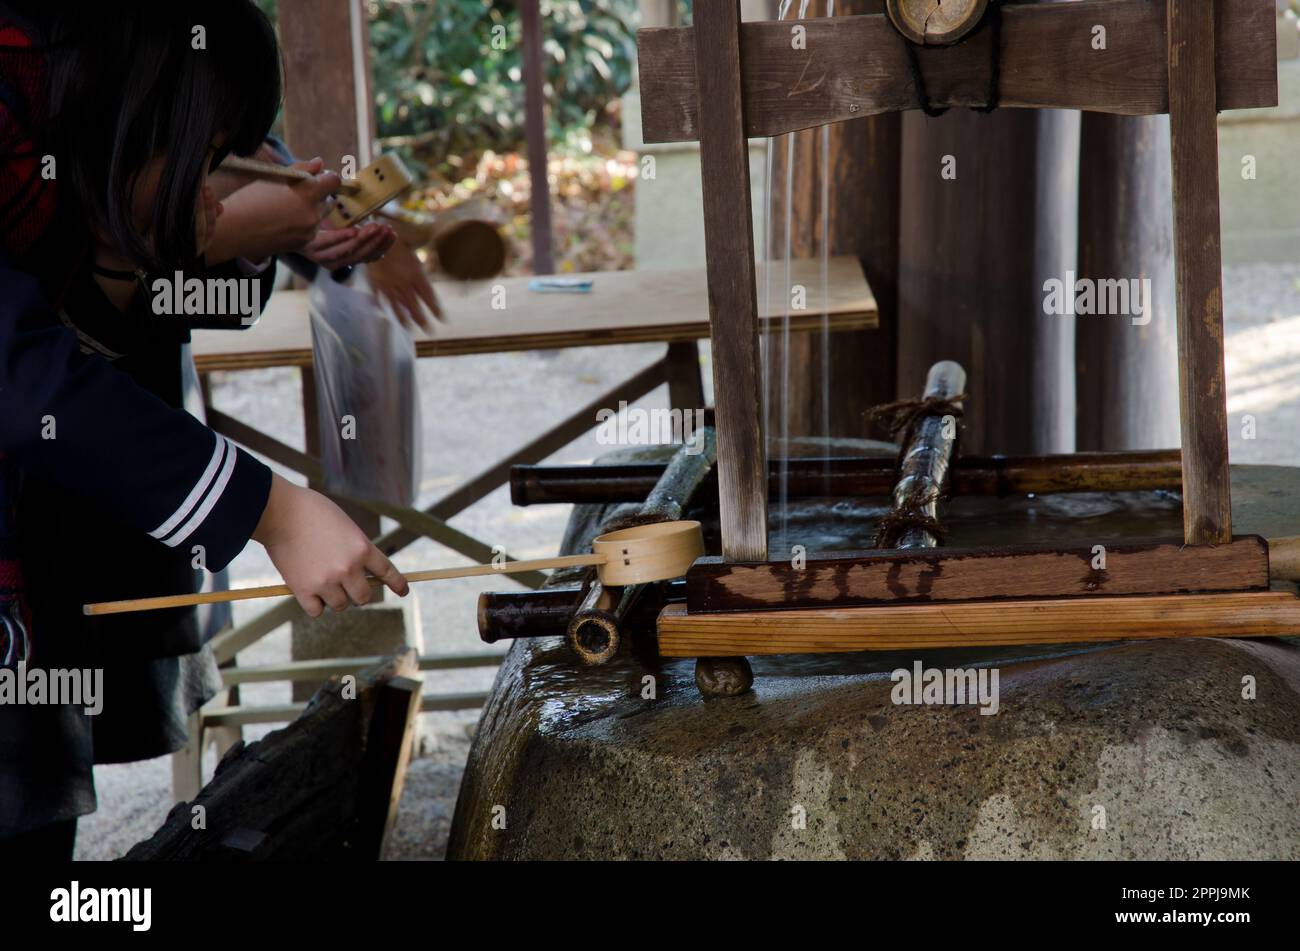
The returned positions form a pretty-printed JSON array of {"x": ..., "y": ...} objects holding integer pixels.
[
  {"x": 319, "y": 551},
  {"x": 267, "y": 218}
]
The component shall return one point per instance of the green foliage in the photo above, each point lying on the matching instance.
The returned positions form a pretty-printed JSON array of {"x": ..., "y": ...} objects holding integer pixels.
[{"x": 448, "y": 74}]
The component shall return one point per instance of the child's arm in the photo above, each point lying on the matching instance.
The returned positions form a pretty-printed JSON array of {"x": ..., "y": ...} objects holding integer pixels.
[{"x": 79, "y": 423}]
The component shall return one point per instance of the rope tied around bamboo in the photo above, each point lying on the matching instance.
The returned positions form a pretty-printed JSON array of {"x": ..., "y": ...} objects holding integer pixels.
[
  {"x": 901, "y": 417},
  {"x": 896, "y": 523}
]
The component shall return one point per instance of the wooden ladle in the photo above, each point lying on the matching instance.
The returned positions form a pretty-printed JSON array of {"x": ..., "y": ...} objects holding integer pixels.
[{"x": 658, "y": 552}]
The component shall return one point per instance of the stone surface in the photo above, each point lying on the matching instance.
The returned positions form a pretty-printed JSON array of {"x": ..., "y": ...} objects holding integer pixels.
[{"x": 1137, "y": 750}]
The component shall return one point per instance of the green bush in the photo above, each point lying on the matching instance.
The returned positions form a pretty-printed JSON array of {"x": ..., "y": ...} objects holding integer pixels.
[{"x": 447, "y": 74}]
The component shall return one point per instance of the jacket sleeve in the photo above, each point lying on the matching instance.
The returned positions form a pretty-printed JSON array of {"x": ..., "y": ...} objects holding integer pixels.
[{"x": 81, "y": 424}]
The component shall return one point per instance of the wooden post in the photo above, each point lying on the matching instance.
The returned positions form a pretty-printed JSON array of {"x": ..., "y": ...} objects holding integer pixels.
[
  {"x": 539, "y": 205},
  {"x": 1126, "y": 370},
  {"x": 975, "y": 249},
  {"x": 328, "y": 108},
  {"x": 1198, "y": 271},
  {"x": 733, "y": 304}
]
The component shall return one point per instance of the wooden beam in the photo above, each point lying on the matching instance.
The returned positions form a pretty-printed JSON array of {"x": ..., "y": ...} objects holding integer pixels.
[
  {"x": 852, "y": 67},
  {"x": 733, "y": 300},
  {"x": 978, "y": 624},
  {"x": 1198, "y": 271},
  {"x": 954, "y": 574}
]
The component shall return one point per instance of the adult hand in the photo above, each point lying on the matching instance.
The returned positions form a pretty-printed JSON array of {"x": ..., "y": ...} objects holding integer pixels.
[{"x": 401, "y": 280}]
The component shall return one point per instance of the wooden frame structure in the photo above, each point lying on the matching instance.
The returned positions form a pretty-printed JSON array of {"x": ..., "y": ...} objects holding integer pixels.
[{"x": 723, "y": 80}]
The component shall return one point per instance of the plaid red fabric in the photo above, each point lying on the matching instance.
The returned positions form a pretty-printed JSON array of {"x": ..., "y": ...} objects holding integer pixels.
[
  {"x": 27, "y": 205},
  {"x": 27, "y": 198}
]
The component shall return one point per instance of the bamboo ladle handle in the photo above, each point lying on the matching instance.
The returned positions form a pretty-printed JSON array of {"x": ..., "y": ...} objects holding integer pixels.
[
  {"x": 269, "y": 170},
  {"x": 282, "y": 590},
  {"x": 634, "y": 555}
]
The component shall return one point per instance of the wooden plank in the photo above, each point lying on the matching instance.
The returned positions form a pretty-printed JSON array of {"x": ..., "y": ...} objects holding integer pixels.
[
  {"x": 952, "y": 574},
  {"x": 383, "y": 772},
  {"x": 978, "y": 624},
  {"x": 733, "y": 299},
  {"x": 327, "y": 667},
  {"x": 1198, "y": 272},
  {"x": 623, "y": 307},
  {"x": 858, "y": 66}
]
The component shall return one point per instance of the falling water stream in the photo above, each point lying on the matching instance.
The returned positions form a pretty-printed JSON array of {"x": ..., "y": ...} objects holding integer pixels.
[{"x": 777, "y": 409}]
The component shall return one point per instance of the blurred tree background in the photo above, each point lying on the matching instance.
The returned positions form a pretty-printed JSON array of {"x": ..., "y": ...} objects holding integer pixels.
[{"x": 449, "y": 97}]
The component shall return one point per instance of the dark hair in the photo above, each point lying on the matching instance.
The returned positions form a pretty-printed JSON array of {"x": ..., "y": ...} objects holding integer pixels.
[{"x": 126, "y": 84}]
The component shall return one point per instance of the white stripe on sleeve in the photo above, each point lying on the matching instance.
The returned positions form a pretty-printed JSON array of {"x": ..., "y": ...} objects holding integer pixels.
[
  {"x": 195, "y": 520},
  {"x": 200, "y": 487}
]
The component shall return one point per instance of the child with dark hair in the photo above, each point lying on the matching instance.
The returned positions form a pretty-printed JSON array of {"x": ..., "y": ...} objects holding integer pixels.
[{"x": 112, "y": 116}]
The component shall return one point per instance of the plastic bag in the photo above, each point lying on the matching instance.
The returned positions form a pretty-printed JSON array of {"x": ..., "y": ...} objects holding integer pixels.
[{"x": 367, "y": 400}]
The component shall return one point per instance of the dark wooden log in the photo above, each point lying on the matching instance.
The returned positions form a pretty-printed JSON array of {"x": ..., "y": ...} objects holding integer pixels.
[
  {"x": 853, "y": 67},
  {"x": 733, "y": 305},
  {"x": 311, "y": 791},
  {"x": 546, "y": 612},
  {"x": 1194, "y": 101},
  {"x": 913, "y": 519},
  {"x": 950, "y": 574},
  {"x": 867, "y": 477}
]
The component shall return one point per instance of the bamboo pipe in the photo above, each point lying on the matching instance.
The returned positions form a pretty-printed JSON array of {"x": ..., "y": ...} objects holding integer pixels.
[
  {"x": 630, "y": 556},
  {"x": 870, "y": 476},
  {"x": 595, "y": 631},
  {"x": 546, "y": 612},
  {"x": 925, "y": 462}
]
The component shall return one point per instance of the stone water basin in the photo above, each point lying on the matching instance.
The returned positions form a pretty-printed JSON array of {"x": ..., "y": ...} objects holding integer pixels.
[{"x": 1132, "y": 750}]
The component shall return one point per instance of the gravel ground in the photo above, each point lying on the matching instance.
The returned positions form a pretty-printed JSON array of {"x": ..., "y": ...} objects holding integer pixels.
[{"x": 479, "y": 408}]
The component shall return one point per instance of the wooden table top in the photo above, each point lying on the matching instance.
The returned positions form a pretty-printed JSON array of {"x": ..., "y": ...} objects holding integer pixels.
[{"x": 622, "y": 307}]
